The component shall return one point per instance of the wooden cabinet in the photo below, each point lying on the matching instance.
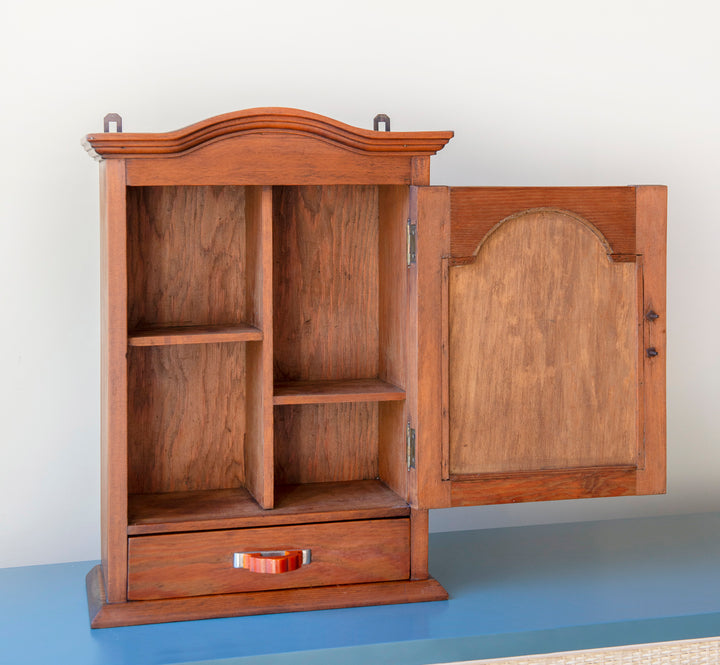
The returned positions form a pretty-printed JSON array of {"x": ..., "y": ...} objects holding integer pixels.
[{"x": 305, "y": 347}]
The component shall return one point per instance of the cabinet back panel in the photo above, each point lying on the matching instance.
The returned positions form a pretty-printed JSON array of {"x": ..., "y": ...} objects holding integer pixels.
[
  {"x": 325, "y": 282},
  {"x": 549, "y": 324},
  {"x": 317, "y": 443},
  {"x": 186, "y": 255},
  {"x": 186, "y": 420}
]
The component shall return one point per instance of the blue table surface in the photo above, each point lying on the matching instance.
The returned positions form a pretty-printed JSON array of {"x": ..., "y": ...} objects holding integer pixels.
[{"x": 513, "y": 591}]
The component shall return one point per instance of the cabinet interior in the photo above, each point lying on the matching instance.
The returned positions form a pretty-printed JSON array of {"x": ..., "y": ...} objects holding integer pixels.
[{"x": 203, "y": 437}]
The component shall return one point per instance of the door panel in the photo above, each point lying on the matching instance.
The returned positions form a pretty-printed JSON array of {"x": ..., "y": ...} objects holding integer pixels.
[
  {"x": 549, "y": 324},
  {"x": 545, "y": 344}
]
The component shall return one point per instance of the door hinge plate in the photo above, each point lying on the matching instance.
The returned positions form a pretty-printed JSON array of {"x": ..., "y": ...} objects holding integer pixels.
[
  {"x": 411, "y": 242},
  {"x": 410, "y": 442}
]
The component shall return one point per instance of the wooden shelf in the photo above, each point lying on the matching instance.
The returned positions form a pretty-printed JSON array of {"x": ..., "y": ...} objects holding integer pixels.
[
  {"x": 235, "y": 508},
  {"x": 194, "y": 335},
  {"x": 326, "y": 392}
]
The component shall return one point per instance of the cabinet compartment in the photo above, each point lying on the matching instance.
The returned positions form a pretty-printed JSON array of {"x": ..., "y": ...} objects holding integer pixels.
[
  {"x": 187, "y": 418},
  {"x": 325, "y": 276},
  {"x": 188, "y": 258},
  {"x": 339, "y": 285},
  {"x": 195, "y": 564}
]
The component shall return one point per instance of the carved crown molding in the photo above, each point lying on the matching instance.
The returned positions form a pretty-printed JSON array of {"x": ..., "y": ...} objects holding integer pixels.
[{"x": 263, "y": 121}]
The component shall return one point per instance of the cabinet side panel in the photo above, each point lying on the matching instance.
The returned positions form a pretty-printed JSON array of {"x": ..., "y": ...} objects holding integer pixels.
[
  {"x": 114, "y": 379},
  {"x": 325, "y": 282},
  {"x": 259, "y": 408},
  {"x": 186, "y": 256},
  {"x": 186, "y": 417},
  {"x": 393, "y": 215},
  {"x": 652, "y": 244},
  {"x": 543, "y": 351}
]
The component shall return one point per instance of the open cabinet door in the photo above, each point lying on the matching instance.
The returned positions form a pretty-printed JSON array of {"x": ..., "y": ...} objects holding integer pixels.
[{"x": 543, "y": 312}]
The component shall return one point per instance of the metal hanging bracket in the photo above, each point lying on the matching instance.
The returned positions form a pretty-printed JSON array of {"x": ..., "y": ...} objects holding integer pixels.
[
  {"x": 112, "y": 117},
  {"x": 381, "y": 117}
]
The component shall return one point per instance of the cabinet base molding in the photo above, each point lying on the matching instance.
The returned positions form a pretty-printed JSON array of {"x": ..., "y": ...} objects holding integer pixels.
[{"x": 134, "y": 613}]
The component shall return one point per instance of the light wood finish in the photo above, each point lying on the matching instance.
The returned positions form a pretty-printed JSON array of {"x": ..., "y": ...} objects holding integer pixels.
[
  {"x": 193, "y": 335},
  {"x": 186, "y": 417},
  {"x": 186, "y": 256},
  {"x": 197, "y": 564},
  {"x": 114, "y": 380},
  {"x": 652, "y": 244},
  {"x": 557, "y": 485},
  {"x": 557, "y": 355},
  {"x": 326, "y": 442},
  {"x": 325, "y": 283},
  {"x": 326, "y": 392},
  {"x": 235, "y": 508},
  {"x": 104, "y": 615},
  {"x": 476, "y": 210},
  {"x": 433, "y": 207},
  {"x": 258, "y": 451}
]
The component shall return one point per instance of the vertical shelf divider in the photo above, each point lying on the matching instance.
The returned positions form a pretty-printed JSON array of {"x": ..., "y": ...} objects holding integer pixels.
[{"x": 259, "y": 462}]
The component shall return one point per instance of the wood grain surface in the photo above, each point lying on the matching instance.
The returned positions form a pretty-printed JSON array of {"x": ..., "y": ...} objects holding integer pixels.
[
  {"x": 556, "y": 485},
  {"x": 186, "y": 256},
  {"x": 235, "y": 508},
  {"x": 186, "y": 425},
  {"x": 652, "y": 242},
  {"x": 325, "y": 252},
  {"x": 270, "y": 123},
  {"x": 167, "y": 336},
  {"x": 326, "y": 442},
  {"x": 272, "y": 159},
  {"x": 114, "y": 379},
  {"x": 393, "y": 205},
  {"x": 325, "y": 392},
  {"x": 105, "y": 615},
  {"x": 258, "y": 450},
  {"x": 543, "y": 351},
  {"x": 476, "y": 210},
  {"x": 198, "y": 564},
  {"x": 427, "y": 344}
]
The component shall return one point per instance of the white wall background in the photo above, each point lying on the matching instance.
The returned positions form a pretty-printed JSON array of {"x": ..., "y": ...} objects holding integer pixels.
[{"x": 558, "y": 92}]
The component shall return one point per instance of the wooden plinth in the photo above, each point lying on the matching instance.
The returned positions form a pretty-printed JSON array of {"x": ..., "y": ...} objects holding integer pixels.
[{"x": 107, "y": 615}]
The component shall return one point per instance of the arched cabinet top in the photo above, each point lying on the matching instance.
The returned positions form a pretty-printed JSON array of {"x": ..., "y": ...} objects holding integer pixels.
[
  {"x": 108, "y": 145},
  {"x": 271, "y": 146}
]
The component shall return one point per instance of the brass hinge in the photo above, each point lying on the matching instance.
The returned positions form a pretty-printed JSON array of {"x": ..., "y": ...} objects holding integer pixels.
[
  {"x": 410, "y": 442},
  {"x": 411, "y": 242}
]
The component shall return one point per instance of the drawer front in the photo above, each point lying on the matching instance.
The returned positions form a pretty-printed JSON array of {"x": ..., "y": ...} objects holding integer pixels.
[{"x": 197, "y": 564}]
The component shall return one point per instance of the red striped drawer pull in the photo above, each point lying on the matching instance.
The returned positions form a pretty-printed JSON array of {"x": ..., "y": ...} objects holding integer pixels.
[{"x": 273, "y": 562}]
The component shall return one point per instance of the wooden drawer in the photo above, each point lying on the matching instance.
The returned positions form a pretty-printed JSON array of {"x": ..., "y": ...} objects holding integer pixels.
[{"x": 196, "y": 564}]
